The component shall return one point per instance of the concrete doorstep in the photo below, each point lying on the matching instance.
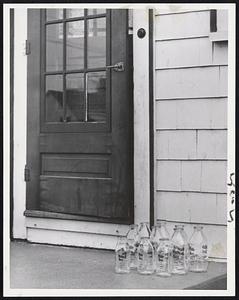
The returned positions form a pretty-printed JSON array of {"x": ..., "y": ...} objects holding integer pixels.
[{"x": 35, "y": 266}]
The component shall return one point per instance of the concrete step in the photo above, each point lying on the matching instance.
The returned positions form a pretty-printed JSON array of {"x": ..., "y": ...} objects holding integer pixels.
[{"x": 37, "y": 266}]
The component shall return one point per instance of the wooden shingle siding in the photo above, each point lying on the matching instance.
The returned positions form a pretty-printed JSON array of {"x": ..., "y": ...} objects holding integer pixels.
[
  {"x": 175, "y": 144},
  {"x": 191, "y": 122},
  {"x": 191, "y": 144},
  {"x": 192, "y": 207},
  {"x": 212, "y": 144},
  {"x": 200, "y": 176},
  {"x": 188, "y": 25},
  {"x": 214, "y": 176},
  {"x": 191, "y": 82},
  {"x": 190, "y": 52},
  {"x": 207, "y": 113}
]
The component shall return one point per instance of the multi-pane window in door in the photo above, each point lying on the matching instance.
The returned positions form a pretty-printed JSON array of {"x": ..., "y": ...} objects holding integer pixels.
[{"x": 74, "y": 71}]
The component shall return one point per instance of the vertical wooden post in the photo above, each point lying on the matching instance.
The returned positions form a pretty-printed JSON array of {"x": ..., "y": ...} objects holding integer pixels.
[
  {"x": 20, "y": 101},
  {"x": 141, "y": 117}
]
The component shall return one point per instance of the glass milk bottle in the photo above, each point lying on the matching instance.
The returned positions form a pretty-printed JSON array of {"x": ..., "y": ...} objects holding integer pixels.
[
  {"x": 133, "y": 241},
  {"x": 198, "y": 250},
  {"x": 154, "y": 239},
  {"x": 179, "y": 251},
  {"x": 163, "y": 256},
  {"x": 122, "y": 256},
  {"x": 145, "y": 251},
  {"x": 186, "y": 248},
  {"x": 158, "y": 232}
]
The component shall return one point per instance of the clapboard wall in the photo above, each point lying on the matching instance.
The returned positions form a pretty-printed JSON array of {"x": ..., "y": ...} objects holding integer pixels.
[{"x": 190, "y": 108}]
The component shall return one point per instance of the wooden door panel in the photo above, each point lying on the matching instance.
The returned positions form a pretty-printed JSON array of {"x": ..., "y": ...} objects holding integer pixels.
[
  {"x": 76, "y": 165},
  {"x": 93, "y": 143},
  {"x": 92, "y": 197}
]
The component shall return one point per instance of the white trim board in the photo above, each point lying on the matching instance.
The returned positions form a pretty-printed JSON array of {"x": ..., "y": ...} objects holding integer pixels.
[
  {"x": 20, "y": 114},
  {"x": 102, "y": 235},
  {"x": 141, "y": 117}
]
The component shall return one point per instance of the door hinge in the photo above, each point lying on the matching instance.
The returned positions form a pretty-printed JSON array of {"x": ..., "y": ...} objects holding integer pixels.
[
  {"x": 27, "y": 47},
  {"x": 26, "y": 174}
]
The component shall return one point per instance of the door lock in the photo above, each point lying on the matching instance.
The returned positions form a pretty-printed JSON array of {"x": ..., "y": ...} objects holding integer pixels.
[{"x": 118, "y": 67}]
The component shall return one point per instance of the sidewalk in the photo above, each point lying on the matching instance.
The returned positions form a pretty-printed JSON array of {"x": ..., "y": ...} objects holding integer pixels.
[{"x": 43, "y": 267}]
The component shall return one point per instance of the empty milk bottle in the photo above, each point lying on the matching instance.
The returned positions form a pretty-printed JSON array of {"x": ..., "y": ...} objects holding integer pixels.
[
  {"x": 154, "y": 239},
  {"x": 179, "y": 251},
  {"x": 133, "y": 241},
  {"x": 186, "y": 248},
  {"x": 145, "y": 251},
  {"x": 122, "y": 256},
  {"x": 163, "y": 256},
  {"x": 159, "y": 232},
  {"x": 198, "y": 250}
]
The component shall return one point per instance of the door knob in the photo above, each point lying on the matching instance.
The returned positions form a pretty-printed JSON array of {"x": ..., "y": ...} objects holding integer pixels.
[
  {"x": 141, "y": 33},
  {"x": 118, "y": 67}
]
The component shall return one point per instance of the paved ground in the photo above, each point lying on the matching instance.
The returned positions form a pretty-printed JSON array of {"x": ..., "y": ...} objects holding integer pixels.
[{"x": 41, "y": 266}]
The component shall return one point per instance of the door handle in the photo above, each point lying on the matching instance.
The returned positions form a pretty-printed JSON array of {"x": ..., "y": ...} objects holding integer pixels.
[{"x": 118, "y": 67}]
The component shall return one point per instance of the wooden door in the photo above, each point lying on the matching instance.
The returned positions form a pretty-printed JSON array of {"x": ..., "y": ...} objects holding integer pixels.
[{"x": 80, "y": 133}]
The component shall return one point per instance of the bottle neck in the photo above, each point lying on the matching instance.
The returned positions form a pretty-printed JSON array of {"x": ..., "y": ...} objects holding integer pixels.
[{"x": 144, "y": 230}]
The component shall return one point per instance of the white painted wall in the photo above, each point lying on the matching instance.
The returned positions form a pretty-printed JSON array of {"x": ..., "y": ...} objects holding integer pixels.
[{"x": 191, "y": 124}]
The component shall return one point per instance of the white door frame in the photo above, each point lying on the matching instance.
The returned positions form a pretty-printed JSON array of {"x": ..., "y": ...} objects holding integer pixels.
[
  {"x": 141, "y": 117},
  {"x": 70, "y": 232}
]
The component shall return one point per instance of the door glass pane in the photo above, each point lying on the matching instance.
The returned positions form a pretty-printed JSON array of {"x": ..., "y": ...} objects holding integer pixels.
[
  {"x": 54, "y": 14},
  {"x": 96, "y": 11},
  {"x": 96, "y": 97},
  {"x": 54, "y": 47},
  {"x": 74, "y": 13},
  {"x": 75, "y": 45},
  {"x": 54, "y": 98},
  {"x": 75, "y": 97},
  {"x": 96, "y": 43}
]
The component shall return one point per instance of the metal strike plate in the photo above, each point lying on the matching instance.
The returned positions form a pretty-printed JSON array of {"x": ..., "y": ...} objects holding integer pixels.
[{"x": 27, "y": 174}]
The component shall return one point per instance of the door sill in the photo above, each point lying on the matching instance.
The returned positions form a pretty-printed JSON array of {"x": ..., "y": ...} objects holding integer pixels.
[{"x": 56, "y": 215}]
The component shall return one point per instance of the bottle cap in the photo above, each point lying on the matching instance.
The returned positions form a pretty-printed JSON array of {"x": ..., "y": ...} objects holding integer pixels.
[{"x": 198, "y": 226}]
